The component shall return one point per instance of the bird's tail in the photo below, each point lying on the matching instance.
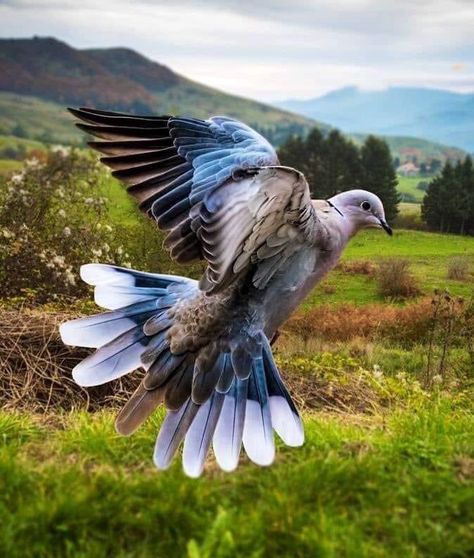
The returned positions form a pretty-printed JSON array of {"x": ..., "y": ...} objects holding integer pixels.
[{"x": 226, "y": 397}]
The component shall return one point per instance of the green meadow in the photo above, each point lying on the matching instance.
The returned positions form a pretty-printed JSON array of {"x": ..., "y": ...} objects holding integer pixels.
[
  {"x": 407, "y": 186},
  {"x": 386, "y": 471},
  {"x": 396, "y": 484}
]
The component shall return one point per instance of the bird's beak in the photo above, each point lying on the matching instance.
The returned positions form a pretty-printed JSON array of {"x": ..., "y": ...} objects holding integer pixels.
[{"x": 386, "y": 227}]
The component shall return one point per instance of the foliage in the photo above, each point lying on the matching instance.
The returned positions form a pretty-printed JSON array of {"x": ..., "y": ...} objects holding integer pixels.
[
  {"x": 51, "y": 222},
  {"x": 333, "y": 164},
  {"x": 452, "y": 321},
  {"x": 448, "y": 205},
  {"x": 395, "y": 279}
]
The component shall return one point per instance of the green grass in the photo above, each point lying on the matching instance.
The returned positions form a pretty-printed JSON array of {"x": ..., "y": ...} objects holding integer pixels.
[
  {"x": 407, "y": 187},
  {"x": 428, "y": 253},
  {"x": 409, "y": 244},
  {"x": 39, "y": 120},
  {"x": 12, "y": 141},
  {"x": 377, "y": 487},
  {"x": 122, "y": 207},
  {"x": 9, "y": 165}
]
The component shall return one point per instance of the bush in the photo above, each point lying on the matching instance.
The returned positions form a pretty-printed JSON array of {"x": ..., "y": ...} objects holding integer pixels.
[
  {"x": 395, "y": 279},
  {"x": 403, "y": 325},
  {"x": 410, "y": 220},
  {"x": 358, "y": 267},
  {"x": 458, "y": 268},
  {"x": 52, "y": 221}
]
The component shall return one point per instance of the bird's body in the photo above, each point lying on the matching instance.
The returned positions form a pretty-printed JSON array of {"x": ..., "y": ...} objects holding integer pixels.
[{"x": 217, "y": 186}]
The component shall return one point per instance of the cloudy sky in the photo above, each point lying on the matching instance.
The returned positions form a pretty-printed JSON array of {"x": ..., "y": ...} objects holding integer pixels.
[{"x": 272, "y": 49}]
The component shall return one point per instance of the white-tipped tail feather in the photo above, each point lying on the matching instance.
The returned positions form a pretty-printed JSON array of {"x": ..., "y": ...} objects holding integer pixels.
[{"x": 247, "y": 402}]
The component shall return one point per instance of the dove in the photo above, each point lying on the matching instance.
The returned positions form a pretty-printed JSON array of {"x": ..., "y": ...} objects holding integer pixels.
[{"x": 217, "y": 188}]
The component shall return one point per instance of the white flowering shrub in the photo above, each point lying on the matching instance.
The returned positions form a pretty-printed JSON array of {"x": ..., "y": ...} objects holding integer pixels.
[{"x": 52, "y": 220}]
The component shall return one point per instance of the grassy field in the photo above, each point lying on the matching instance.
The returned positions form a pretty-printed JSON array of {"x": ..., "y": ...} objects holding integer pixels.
[
  {"x": 428, "y": 253},
  {"x": 387, "y": 470},
  {"x": 407, "y": 186},
  {"x": 38, "y": 119},
  {"x": 9, "y": 165},
  {"x": 389, "y": 485}
]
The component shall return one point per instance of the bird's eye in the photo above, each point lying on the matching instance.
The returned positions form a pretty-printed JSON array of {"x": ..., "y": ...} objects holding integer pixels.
[{"x": 365, "y": 206}]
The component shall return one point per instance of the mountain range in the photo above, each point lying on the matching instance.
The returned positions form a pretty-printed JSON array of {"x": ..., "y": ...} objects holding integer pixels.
[
  {"x": 39, "y": 77},
  {"x": 438, "y": 115}
]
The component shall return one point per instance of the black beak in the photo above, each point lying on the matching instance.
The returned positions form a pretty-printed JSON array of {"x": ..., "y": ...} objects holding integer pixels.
[{"x": 386, "y": 227}]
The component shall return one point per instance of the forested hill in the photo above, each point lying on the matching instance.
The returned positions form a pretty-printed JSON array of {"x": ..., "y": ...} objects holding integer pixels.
[{"x": 44, "y": 72}]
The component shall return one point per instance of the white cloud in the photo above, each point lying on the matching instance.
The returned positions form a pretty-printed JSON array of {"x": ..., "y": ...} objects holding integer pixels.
[{"x": 272, "y": 49}]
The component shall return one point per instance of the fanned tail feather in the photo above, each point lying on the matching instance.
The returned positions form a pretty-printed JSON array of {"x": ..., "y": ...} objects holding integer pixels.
[{"x": 227, "y": 396}]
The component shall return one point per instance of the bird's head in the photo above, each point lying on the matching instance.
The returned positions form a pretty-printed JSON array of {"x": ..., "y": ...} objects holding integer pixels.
[{"x": 362, "y": 210}]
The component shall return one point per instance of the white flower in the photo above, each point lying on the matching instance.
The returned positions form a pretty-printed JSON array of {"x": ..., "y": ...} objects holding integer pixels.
[
  {"x": 67, "y": 231},
  {"x": 106, "y": 247},
  {"x": 88, "y": 201},
  {"x": 377, "y": 371},
  {"x": 119, "y": 251},
  {"x": 62, "y": 213},
  {"x": 61, "y": 150},
  {"x": 97, "y": 252},
  {"x": 17, "y": 178},
  {"x": 32, "y": 163},
  {"x": 437, "y": 379},
  {"x": 108, "y": 228}
]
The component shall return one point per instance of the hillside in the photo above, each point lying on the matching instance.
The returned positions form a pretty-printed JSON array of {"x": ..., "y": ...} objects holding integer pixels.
[
  {"x": 405, "y": 148},
  {"x": 438, "y": 115},
  {"x": 40, "y": 76}
]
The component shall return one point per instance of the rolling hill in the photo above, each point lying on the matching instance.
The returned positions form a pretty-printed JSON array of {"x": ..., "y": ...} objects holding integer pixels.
[
  {"x": 40, "y": 76},
  {"x": 438, "y": 115}
]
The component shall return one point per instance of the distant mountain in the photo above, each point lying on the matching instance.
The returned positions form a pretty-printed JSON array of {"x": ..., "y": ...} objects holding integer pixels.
[
  {"x": 40, "y": 76},
  {"x": 437, "y": 115}
]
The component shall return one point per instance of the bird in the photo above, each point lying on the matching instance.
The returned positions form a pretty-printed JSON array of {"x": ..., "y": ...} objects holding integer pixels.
[{"x": 217, "y": 188}]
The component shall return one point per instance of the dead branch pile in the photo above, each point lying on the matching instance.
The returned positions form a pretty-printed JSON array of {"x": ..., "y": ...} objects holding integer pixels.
[
  {"x": 35, "y": 373},
  {"x": 35, "y": 366}
]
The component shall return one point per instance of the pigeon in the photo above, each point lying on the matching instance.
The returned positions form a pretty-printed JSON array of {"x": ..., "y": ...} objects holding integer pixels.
[{"x": 217, "y": 188}]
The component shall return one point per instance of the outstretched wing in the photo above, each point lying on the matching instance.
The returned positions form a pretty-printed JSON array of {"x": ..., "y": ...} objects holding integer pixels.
[{"x": 207, "y": 183}]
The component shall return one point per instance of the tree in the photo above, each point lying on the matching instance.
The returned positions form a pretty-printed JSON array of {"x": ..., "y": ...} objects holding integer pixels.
[
  {"x": 331, "y": 164},
  {"x": 342, "y": 165},
  {"x": 448, "y": 205},
  {"x": 378, "y": 174}
]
